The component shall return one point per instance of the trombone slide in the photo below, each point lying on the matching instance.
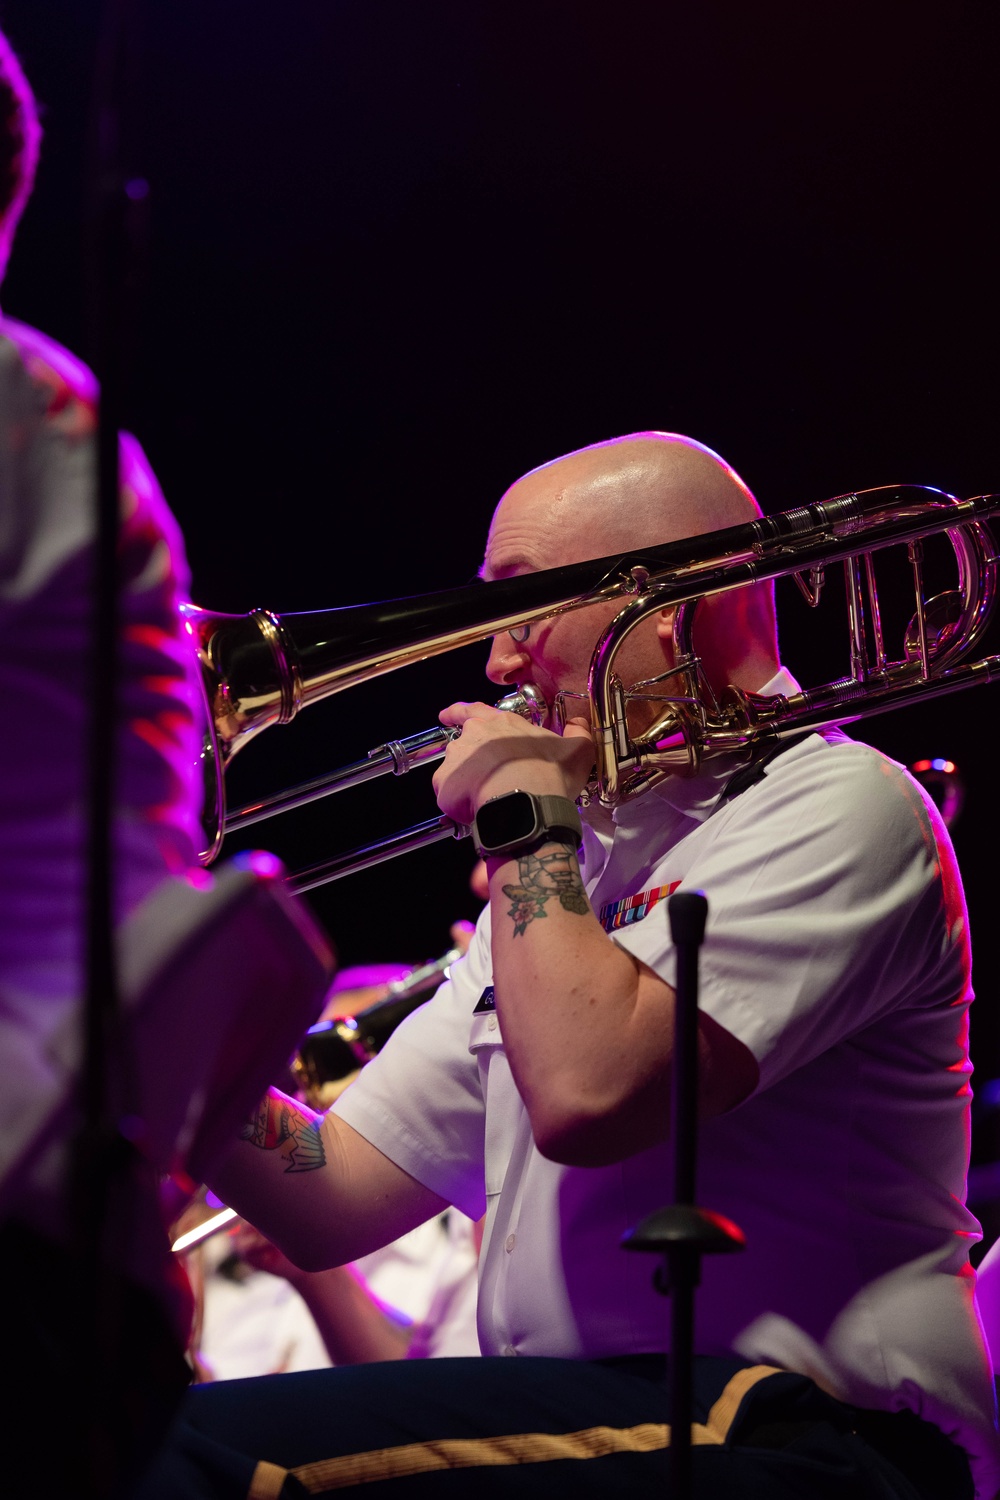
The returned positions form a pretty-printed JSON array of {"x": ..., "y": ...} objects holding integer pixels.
[{"x": 397, "y": 757}]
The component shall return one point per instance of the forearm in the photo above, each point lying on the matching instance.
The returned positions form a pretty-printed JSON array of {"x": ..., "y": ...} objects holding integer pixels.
[
  {"x": 354, "y": 1326},
  {"x": 311, "y": 1184},
  {"x": 588, "y": 1032},
  {"x": 587, "y": 1028}
]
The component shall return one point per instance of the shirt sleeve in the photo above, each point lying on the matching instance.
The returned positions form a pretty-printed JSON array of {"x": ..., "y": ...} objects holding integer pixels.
[
  {"x": 420, "y": 1101},
  {"x": 833, "y": 898}
]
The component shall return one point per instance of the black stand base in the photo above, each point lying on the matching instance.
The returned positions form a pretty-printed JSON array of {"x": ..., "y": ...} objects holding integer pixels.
[{"x": 682, "y": 1234}]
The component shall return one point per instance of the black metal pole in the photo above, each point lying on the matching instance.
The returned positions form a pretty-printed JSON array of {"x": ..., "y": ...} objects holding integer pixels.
[
  {"x": 100, "y": 1156},
  {"x": 682, "y": 1233},
  {"x": 688, "y": 911}
]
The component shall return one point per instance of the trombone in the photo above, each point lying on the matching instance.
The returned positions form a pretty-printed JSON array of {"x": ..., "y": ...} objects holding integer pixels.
[{"x": 260, "y": 669}]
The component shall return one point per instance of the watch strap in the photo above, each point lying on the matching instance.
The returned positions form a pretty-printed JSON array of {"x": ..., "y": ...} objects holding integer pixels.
[
  {"x": 556, "y": 818},
  {"x": 560, "y": 815}
]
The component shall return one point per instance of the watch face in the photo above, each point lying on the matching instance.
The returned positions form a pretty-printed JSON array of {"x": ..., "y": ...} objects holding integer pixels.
[{"x": 506, "y": 821}]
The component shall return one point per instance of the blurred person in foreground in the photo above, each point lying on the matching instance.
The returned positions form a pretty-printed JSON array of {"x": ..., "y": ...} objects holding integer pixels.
[
  {"x": 98, "y": 1311},
  {"x": 48, "y": 420},
  {"x": 840, "y": 1355}
]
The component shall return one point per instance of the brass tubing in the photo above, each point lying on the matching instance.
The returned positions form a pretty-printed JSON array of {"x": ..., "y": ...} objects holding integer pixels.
[
  {"x": 876, "y": 613},
  {"x": 856, "y": 619},
  {"x": 818, "y": 708},
  {"x": 916, "y": 551},
  {"x": 397, "y": 757}
]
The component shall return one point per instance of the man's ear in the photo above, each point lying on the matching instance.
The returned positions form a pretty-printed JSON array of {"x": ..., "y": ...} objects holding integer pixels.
[{"x": 665, "y": 623}]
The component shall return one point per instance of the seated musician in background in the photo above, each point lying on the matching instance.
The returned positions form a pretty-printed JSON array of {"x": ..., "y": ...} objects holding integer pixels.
[
  {"x": 414, "y": 1298},
  {"x": 840, "y": 1354}
]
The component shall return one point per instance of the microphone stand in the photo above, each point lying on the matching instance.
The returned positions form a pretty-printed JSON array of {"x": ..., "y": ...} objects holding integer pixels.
[{"x": 682, "y": 1233}]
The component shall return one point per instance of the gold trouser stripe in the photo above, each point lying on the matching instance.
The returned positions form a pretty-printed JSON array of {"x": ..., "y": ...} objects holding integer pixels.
[
  {"x": 266, "y": 1482},
  {"x": 518, "y": 1448},
  {"x": 470, "y": 1453},
  {"x": 723, "y": 1412}
]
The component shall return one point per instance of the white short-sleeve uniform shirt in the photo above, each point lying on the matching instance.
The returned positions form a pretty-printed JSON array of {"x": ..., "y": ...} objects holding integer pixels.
[{"x": 837, "y": 952}]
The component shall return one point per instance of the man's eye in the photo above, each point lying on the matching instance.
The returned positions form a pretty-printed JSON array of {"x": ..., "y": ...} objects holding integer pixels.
[{"x": 519, "y": 634}]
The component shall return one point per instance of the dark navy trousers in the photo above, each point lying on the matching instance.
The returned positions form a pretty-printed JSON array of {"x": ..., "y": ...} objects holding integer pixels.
[{"x": 498, "y": 1427}]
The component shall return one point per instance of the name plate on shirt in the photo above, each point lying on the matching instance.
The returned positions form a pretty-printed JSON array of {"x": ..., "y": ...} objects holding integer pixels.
[{"x": 486, "y": 1002}]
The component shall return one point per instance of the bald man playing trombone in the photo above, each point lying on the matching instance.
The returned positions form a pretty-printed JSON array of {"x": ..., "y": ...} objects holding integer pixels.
[{"x": 840, "y": 1355}]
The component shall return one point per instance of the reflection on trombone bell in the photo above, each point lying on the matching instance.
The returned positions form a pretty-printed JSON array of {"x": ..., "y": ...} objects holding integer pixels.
[
  {"x": 260, "y": 669},
  {"x": 943, "y": 780}
]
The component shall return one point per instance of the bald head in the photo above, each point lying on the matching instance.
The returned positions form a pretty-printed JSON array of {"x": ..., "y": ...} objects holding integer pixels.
[
  {"x": 635, "y": 491},
  {"x": 632, "y": 492}
]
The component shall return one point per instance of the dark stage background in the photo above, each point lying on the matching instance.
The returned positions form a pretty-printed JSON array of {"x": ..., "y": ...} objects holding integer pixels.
[{"x": 403, "y": 252}]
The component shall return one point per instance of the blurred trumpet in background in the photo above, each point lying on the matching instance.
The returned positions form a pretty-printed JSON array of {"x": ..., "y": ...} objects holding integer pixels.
[{"x": 334, "y": 1050}]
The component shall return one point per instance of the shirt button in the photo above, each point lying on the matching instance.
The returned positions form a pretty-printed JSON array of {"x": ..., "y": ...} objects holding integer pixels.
[
  {"x": 491, "y": 1024},
  {"x": 508, "y": 1243},
  {"x": 509, "y": 1349}
]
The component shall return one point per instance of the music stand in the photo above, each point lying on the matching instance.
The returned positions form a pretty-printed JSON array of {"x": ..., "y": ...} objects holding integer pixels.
[{"x": 682, "y": 1233}]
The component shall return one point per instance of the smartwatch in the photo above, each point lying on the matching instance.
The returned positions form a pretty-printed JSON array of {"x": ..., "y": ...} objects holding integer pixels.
[{"x": 518, "y": 821}]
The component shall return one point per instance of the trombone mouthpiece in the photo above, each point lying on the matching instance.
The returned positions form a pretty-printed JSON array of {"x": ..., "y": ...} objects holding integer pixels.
[{"x": 528, "y": 702}]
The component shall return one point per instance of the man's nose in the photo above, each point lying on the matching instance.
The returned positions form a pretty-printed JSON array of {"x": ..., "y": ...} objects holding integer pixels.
[{"x": 508, "y": 660}]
